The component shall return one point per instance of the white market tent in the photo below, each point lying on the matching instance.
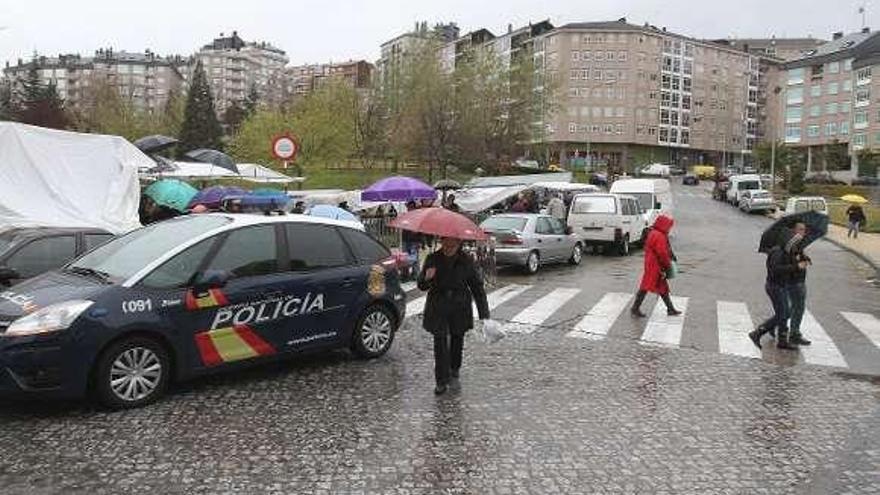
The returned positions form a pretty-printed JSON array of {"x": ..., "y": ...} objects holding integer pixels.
[
  {"x": 480, "y": 199},
  {"x": 194, "y": 170},
  {"x": 567, "y": 186},
  {"x": 57, "y": 178},
  {"x": 254, "y": 172},
  {"x": 519, "y": 180}
]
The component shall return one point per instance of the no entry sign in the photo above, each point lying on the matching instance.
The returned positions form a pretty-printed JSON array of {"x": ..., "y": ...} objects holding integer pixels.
[{"x": 284, "y": 147}]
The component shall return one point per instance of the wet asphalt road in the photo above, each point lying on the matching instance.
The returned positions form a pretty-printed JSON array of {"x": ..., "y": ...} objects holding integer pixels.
[{"x": 538, "y": 412}]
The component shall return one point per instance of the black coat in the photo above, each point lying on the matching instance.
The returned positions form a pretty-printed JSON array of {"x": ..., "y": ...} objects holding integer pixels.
[
  {"x": 782, "y": 267},
  {"x": 455, "y": 284}
]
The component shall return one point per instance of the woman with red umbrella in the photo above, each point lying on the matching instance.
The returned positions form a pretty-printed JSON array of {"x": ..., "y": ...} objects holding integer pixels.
[{"x": 452, "y": 282}]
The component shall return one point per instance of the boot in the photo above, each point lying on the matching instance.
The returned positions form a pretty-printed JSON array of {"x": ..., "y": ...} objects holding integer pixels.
[
  {"x": 670, "y": 309},
  {"x": 797, "y": 338},
  {"x": 782, "y": 341},
  {"x": 636, "y": 310},
  {"x": 756, "y": 334}
]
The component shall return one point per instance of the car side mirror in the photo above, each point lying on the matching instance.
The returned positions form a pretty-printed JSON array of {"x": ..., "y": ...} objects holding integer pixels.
[
  {"x": 7, "y": 274},
  {"x": 211, "y": 279}
]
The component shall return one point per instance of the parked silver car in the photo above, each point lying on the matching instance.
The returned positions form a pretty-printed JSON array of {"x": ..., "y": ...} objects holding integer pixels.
[
  {"x": 530, "y": 240},
  {"x": 757, "y": 200}
]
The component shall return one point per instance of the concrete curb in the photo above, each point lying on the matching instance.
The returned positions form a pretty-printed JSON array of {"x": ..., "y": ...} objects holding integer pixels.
[{"x": 857, "y": 253}]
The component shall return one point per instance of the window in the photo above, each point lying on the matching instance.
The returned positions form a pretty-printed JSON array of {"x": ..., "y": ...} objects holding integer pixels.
[
  {"x": 664, "y": 135},
  {"x": 847, "y": 64},
  {"x": 248, "y": 252},
  {"x": 609, "y": 56},
  {"x": 845, "y": 106},
  {"x": 843, "y": 129},
  {"x": 94, "y": 240},
  {"x": 792, "y": 134},
  {"x": 813, "y": 131},
  {"x": 619, "y": 112},
  {"x": 815, "y": 90},
  {"x": 863, "y": 97},
  {"x": 686, "y": 102},
  {"x": 609, "y": 111},
  {"x": 863, "y": 76},
  {"x": 178, "y": 272},
  {"x": 685, "y": 137},
  {"x": 664, "y": 117},
  {"x": 847, "y": 85},
  {"x": 314, "y": 246},
  {"x": 586, "y": 55},
  {"x": 833, "y": 88},
  {"x": 834, "y": 67},
  {"x": 831, "y": 108},
  {"x": 831, "y": 129},
  {"x": 366, "y": 249},
  {"x": 543, "y": 227},
  {"x": 599, "y": 56},
  {"x": 860, "y": 119},
  {"x": 594, "y": 204},
  {"x": 574, "y": 74},
  {"x": 686, "y": 84},
  {"x": 618, "y": 129},
  {"x": 793, "y": 114},
  {"x": 572, "y": 128},
  {"x": 859, "y": 140},
  {"x": 575, "y": 56},
  {"x": 42, "y": 255},
  {"x": 796, "y": 76},
  {"x": 621, "y": 56},
  {"x": 815, "y": 110},
  {"x": 795, "y": 95}
]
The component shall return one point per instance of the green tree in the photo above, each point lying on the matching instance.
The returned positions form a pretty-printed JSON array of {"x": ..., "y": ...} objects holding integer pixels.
[
  {"x": 40, "y": 104},
  {"x": 234, "y": 116},
  {"x": 200, "y": 128},
  {"x": 103, "y": 110},
  {"x": 869, "y": 163},
  {"x": 252, "y": 101},
  {"x": 9, "y": 108}
]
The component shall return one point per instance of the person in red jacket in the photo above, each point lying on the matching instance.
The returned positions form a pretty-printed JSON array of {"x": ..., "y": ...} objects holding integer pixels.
[{"x": 658, "y": 262}]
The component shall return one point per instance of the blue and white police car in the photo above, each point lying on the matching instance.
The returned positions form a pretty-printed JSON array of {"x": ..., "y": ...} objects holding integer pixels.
[{"x": 194, "y": 295}]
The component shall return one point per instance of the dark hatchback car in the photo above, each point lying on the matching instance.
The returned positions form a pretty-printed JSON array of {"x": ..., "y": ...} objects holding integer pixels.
[
  {"x": 196, "y": 295},
  {"x": 28, "y": 252}
]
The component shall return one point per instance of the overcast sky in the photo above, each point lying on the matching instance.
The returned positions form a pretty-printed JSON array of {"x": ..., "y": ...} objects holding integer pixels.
[{"x": 322, "y": 30}]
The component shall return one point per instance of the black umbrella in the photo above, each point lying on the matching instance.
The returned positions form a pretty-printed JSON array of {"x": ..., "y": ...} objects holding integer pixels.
[
  {"x": 213, "y": 157},
  {"x": 155, "y": 143},
  {"x": 446, "y": 185},
  {"x": 779, "y": 232},
  {"x": 162, "y": 165}
]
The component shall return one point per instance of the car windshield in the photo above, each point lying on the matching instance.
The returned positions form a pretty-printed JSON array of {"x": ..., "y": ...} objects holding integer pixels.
[
  {"x": 124, "y": 256},
  {"x": 6, "y": 240},
  {"x": 748, "y": 185},
  {"x": 594, "y": 204},
  {"x": 504, "y": 224}
]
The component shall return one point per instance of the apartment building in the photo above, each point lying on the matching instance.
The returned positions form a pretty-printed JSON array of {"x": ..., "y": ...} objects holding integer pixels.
[
  {"x": 628, "y": 95},
  {"x": 784, "y": 49},
  {"x": 291, "y": 82},
  {"x": 826, "y": 98},
  {"x": 234, "y": 66},
  {"x": 395, "y": 51},
  {"x": 146, "y": 79}
]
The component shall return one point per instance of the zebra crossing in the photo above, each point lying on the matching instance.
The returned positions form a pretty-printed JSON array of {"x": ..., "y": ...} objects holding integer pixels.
[{"x": 660, "y": 329}]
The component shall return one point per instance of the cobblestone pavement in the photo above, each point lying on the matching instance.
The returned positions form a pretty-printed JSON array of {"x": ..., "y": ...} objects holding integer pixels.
[{"x": 530, "y": 416}]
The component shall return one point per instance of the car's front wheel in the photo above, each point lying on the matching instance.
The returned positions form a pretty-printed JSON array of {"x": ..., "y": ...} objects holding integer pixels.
[
  {"x": 374, "y": 332},
  {"x": 577, "y": 254},
  {"x": 132, "y": 372}
]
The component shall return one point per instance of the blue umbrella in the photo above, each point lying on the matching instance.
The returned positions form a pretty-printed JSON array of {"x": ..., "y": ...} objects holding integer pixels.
[
  {"x": 332, "y": 212},
  {"x": 171, "y": 193},
  {"x": 213, "y": 196}
]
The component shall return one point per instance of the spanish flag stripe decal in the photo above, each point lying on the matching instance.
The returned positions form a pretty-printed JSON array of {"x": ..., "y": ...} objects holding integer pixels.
[
  {"x": 230, "y": 346},
  {"x": 262, "y": 347},
  {"x": 219, "y": 297},
  {"x": 210, "y": 356}
]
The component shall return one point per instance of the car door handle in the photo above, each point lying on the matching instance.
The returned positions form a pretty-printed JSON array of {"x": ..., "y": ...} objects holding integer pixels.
[{"x": 347, "y": 282}]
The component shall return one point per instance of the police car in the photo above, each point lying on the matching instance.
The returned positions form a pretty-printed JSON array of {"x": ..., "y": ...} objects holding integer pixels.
[{"x": 195, "y": 295}]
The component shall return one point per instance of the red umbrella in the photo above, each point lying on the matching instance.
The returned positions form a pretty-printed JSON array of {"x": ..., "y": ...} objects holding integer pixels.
[{"x": 440, "y": 222}]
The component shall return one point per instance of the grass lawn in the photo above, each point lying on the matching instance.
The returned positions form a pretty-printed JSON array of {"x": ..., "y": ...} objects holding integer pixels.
[{"x": 837, "y": 213}]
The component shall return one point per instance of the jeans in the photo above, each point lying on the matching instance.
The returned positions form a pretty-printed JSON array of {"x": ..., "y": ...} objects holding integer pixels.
[
  {"x": 447, "y": 355},
  {"x": 797, "y": 300},
  {"x": 779, "y": 298},
  {"x": 853, "y": 229}
]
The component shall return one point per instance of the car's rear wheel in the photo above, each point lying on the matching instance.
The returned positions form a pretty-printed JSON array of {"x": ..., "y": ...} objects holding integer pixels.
[
  {"x": 533, "y": 262},
  {"x": 577, "y": 254},
  {"x": 374, "y": 332},
  {"x": 132, "y": 372},
  {"x": 623, "y": 246}
]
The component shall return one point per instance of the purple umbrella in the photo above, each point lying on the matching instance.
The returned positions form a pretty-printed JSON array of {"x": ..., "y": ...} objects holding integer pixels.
[
  {"x": 398, "y": 188},
  {"x": 212, "y": 196}
]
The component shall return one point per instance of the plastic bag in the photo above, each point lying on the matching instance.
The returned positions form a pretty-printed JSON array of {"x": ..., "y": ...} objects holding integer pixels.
[{"x": 489, "y": 331}]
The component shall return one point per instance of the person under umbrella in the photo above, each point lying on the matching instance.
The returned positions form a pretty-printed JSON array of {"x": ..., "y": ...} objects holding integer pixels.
[
  {"x": 451, "y": 205},
  {"x": 658, "y": 263},
  {"x": 780, "y": 268},
  {"x": 797, "y": 287},
  {"x": 856, "y": 217},
  {"x": 452, "y": 282}
]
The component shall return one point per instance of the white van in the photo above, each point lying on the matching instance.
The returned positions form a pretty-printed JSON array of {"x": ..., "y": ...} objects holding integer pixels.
[
  {"x": 656, "y": 169},
  {"x": 605, "y": 219},
  {"x": 797, "y": 204},
  {"x": 654, "y": 196},
  {"x": 740, "y": 183}
]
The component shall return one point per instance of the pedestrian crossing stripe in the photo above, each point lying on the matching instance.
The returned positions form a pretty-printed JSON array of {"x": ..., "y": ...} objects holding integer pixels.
[
  {"x": 733, "y": 322},
  {"x": 230, "y": 344}
]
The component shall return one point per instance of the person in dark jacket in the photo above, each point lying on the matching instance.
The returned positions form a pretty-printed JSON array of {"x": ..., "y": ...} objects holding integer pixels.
[
  {"x": 797, "y": 286},
  {"x": 781, "y": 267},
  {"x": 452, "y": 282},
  {"x": 658, "y": 262},
  {"x": 856, "y": 217}
]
